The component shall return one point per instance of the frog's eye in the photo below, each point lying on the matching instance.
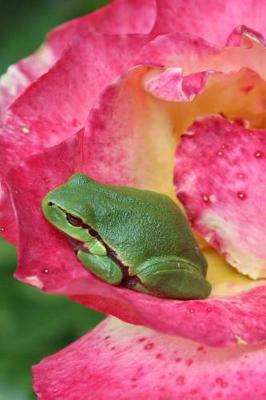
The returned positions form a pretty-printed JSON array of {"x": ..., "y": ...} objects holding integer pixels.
[{"x": 75, "y": 221}]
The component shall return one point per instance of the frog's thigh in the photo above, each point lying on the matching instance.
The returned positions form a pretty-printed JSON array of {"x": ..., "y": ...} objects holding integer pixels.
[
  {"x": 102, "y": 266},
  {"x": 173, "y": 277}
]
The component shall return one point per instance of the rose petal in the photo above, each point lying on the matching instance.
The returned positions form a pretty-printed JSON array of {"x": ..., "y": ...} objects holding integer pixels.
[
  {"x": 118, "y": 17},
  {"x": 20, "y": 75},
  {"x": 130, "y": 139},
  {"x": 8, "y": 222},
  {"x": 58, "y": 103},
  {"x": 32, "y": 125},
  {"x": 171, "y": 85},
  {"x": 242, "y": 36},
  {"x": 210, "y": 20},
  {"x": 219, "y": 177},
  {"x": 47, "y": 261},
  {"x": 121, "y": 361}
]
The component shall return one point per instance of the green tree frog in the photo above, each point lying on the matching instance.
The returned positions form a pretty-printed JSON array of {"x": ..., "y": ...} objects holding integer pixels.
[{"x": 134, "y": 238}]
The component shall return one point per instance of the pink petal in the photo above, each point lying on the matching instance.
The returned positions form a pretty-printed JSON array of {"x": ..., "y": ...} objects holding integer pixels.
[
  {"x": 32, "y": 125},
  {"x": 124, "y": 137},
  {"x": 244, "y": 36},
  {"x": 8, "y": 222},
  {"x": 175, "y": 49},
  {"x": 20, "y": 75},
  {"x": 219, "y": 177},
  {"x": 211, "y": 20},
  {"x": 171, "y": 85},
  {"x": 47, "y": 261},
  {"x": 118, "y": 17},
  {"x": 121, "y": 361},
  {"x": 31, "y": 114},
  {"x": 58, "y": 103}
]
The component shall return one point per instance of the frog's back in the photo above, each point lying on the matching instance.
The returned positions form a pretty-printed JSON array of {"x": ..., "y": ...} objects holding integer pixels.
[{"x": 143, "y": 224}]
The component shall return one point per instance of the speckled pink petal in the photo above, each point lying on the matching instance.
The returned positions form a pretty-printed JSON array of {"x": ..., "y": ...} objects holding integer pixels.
[
  {"x": 211, "y": 20},
  {"x": 124, "y": 126},
  {"x": 119, "y": 17},
  {"x": 47, "y": 260},
  {"x": 220, "y": 179},
  {"x": 171, "y": 85},
  {"x": 19, "y": 76},
  {"x": 121, "y": 361},
  {"x": 8, "y": 220},
  {"x": 58, "y": 103}
]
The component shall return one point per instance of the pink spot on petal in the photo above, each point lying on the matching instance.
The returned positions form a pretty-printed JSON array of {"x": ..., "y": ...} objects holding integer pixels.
[
  {"x": 189, "y": 362},
  {"x": 221, "y": 382},
  {"x": 200, "y": 348},
  {"x": 142, "y": 339},
  {"x": 180, "y": 380},
  {"x": 149, "y": 346},
  {"x": 247, "y": 88}
]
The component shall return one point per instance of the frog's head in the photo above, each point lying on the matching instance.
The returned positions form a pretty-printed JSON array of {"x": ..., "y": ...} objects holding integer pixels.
[{"x": 70, "y": 207}]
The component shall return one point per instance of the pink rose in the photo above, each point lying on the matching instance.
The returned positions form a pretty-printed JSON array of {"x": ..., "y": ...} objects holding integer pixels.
[{"x": 134, "y": 94}]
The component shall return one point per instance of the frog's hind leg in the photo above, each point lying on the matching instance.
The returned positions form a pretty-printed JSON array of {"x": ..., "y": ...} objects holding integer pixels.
[
  {"x": 172, "y": 277},
  {"x": 101, "y": 266}
]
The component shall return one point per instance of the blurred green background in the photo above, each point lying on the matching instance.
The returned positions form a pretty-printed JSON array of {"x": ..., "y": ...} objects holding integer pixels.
[{"x": 32, "y": 324}]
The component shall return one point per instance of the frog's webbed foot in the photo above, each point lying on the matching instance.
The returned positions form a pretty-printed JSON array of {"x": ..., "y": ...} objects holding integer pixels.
[{"x": 172, "y": 277}]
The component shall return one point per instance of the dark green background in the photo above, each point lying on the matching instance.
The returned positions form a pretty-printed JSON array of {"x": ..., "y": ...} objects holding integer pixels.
[{"x": 32, "y": 324}]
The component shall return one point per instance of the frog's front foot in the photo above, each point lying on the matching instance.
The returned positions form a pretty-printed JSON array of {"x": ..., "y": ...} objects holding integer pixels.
[{"x": 172, "y": 277}]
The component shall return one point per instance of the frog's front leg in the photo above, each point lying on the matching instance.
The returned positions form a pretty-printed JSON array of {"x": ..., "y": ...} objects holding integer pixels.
[
  {"x": 101, "y": 266},
  {"x": 172, "y": 277}
]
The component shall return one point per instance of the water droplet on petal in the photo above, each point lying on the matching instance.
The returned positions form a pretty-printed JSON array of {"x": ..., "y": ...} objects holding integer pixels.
[
  {"x": 241, "y": 176},
  {"x": 2, "y": 229},
  {"x": 205, "y": 198},
  {"x": 220, "y": 153},
  {"x": 46, "y": 271},
  {"x": 258, "y": 154},
  {"x": 25, "y": 129},
  {"x": 241, "y": 195}
]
